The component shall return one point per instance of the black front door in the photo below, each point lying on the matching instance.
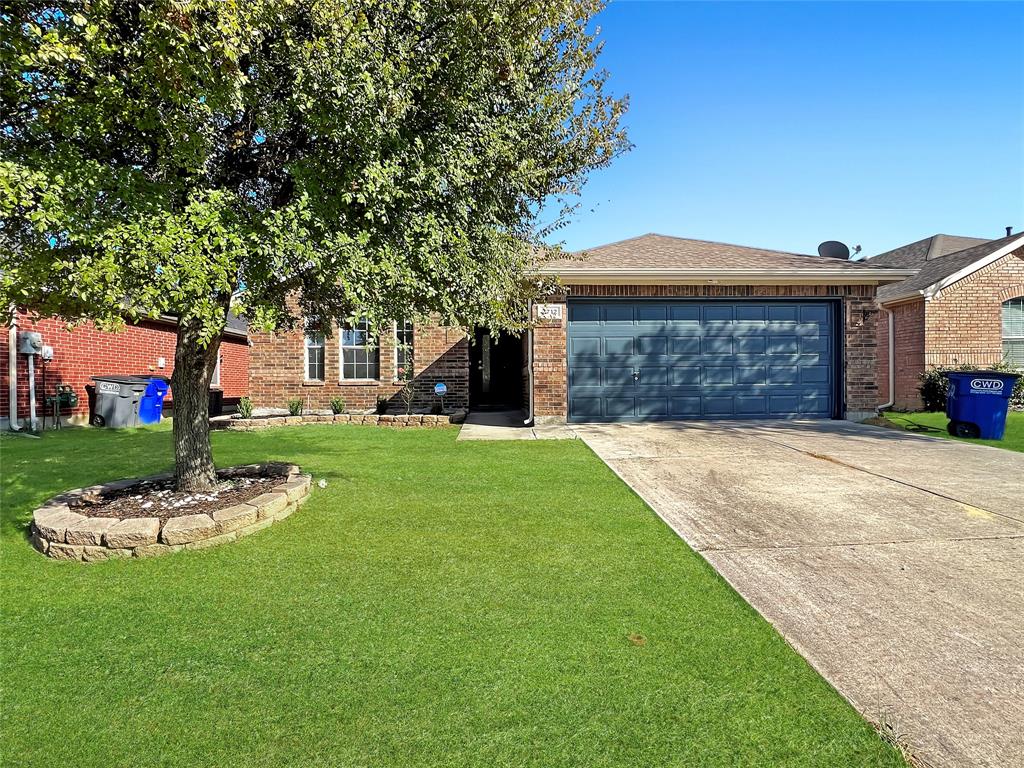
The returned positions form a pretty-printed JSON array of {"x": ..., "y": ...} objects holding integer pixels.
[{"x": 496, "y": 371}]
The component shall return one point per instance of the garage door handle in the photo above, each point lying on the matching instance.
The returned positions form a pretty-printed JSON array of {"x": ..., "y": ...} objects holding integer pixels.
[{"x": 636, "y": 376}]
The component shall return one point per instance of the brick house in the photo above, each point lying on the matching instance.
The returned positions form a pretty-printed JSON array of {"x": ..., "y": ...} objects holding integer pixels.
[
  {"x": 79, "y": 353},
  {"x": 964, "y": 305},
  {"x": 653, "y": 327}
]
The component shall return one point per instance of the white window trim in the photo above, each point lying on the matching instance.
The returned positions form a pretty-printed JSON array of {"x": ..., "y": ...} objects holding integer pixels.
[
  {"x": 215, "y": 379},
  {"x": 341, "y": 358},
  {"x": 1004, "y": 339},
  {"x": 305, "y": 357}
]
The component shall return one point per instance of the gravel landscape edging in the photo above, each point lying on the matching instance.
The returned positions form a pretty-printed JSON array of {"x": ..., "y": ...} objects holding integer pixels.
[{"x": 63, "y": 534}]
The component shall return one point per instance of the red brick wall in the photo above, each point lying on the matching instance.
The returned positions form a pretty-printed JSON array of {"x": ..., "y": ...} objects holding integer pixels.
[
  {"x": 859, "y": 310},
  {"x": 960, "y": 326},
  {"x": 963, "y": 324},
  {"x": 85, "y": 351},
  {"x": 908, "y": 331},
  {"x": 276, "y": 372}
]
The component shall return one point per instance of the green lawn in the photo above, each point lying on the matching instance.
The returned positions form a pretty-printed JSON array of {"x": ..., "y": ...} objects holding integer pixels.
[
  {"x": 438, "y": 604},
  {"x": 1013, "y": 440}
]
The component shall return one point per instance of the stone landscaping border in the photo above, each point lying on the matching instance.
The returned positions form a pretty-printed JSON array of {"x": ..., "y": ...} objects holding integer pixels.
[
  {"x": 63, "y": 534},
  {"x": 380, "y": 420}
]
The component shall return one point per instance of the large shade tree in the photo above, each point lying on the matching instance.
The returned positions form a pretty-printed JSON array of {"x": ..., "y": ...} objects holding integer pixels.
[{"x": 289, "y": 159}]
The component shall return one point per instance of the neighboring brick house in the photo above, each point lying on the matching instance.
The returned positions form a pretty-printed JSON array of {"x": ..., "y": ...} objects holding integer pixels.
[
  {"x": 654, "y": 327},
  {"x": 81, "y": 352},
  {"x": 964, "y": 305}
]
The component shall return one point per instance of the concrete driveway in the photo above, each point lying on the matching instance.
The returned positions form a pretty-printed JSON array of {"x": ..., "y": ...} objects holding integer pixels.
[{"x": 894, "y": 563}]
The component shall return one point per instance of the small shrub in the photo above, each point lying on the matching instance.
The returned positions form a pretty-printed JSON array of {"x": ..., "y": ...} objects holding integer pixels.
[
  {"x": 295, "y": 407},
  {"x": 407, "y": 393},
  {"x": 245, "y": 408},
  {"x": 935, "y": 386},
  {"x": 382, "y": 405},
  {"x": 338, "y": 405}
]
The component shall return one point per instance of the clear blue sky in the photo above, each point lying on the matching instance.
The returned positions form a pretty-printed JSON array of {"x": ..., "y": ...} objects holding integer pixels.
[{"x": 784, "y": 124}]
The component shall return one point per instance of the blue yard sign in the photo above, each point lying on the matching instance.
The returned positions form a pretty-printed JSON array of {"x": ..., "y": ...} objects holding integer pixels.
[{"x": 440, "y": 389}]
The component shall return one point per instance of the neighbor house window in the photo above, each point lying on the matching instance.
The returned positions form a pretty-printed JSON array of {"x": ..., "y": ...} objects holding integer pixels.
[
  {"x": 215, "y": 381},
  {"x": 1013, "y": 331},
  {"x": 358, "y": 351},
  {"x": 314, "y": 356},
  {"x": 403, "y": 349}
]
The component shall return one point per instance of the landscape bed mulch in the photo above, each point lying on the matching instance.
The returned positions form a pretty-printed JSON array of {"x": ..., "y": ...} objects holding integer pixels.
[{"x": 157, "y": 498}]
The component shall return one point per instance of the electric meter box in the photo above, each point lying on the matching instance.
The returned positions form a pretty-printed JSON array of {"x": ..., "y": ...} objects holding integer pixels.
[{"x": 30, "y": 342}]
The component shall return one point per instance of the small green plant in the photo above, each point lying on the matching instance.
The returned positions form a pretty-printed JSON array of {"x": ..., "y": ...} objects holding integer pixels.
[
  {"x": 245, "y": 408},
  {"x": 407, "y": 393},
  {"x": 295, "y": 407},
  {"x": 338, "y": 405}
]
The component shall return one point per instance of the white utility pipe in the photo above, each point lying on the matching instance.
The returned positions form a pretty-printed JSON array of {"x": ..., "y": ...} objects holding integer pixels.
[
  {"x": 529, "y": 369},
  {"x": 31, "y": 393},
  {"x": 12, "y": 371},
  {"x": 892, "y": 362}
]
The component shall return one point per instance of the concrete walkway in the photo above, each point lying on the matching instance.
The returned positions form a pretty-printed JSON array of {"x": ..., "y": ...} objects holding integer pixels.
[
  {"x": 893, "y": 562},
  {"x": 508, "y": 425}
]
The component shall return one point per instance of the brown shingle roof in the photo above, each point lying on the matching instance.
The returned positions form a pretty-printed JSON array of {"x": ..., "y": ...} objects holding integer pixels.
[
  {"x": 654, "y": 251},
  {"x": 914, "y": 255},
  {"x": 938, "y": 269}
]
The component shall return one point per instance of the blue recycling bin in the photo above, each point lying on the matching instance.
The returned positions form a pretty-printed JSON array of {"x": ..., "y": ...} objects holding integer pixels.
[
  {"x": 151, "y": 404},
  {"x": 977, "y": 402}
]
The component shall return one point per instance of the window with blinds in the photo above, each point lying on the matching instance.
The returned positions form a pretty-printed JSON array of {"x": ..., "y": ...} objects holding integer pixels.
[{"x": 1013, "y": 331}]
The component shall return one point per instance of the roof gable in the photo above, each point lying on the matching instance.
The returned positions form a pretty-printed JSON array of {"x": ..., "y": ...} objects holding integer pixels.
[
  {"x": 915, "y": 255},
  {"x": 955, "y": 266}
]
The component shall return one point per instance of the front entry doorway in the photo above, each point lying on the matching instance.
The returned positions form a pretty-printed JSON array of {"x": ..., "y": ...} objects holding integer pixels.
[{"x": 496, "y": 371}]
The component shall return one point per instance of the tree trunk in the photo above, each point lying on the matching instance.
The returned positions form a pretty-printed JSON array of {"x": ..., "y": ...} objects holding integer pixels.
[{"x": 190, "y": 391}]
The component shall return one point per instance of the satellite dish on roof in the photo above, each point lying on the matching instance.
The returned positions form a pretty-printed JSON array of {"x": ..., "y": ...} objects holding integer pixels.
[{"x": 833, "y": 249}]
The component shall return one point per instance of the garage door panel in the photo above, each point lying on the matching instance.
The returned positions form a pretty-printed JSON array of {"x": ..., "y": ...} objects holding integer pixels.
[
  {"x": 652, "y": 345},
  {"x": 752, "y": 312},
  {"x": 816, "y": 314},
  {"x": 751, "y": 405},
  {"x": 585, "y": 346},
  {"x": 684, "y": 345},
  {"x": 618, "y": 376},
  {"x": 685, "y": 375},
  {"x": 717, "y": 374},
  {"x": 652, "y": 313},
  {"x": 617, "y": 314},
  {"x": 691, "y": 359},
  {"x": 752, "y": 345},
  {"x": 783, "y": 345},
  {"x": 720, "y": 406},
  {"x": 751, "y": 374},
  {"x": 653, "y": 376},
  {"x": 651, "y": 407},
  {"x": 619, "y": 406},
  {"x": 783, "y": 313},
  {"x": 584, "y": 376},
  {"x": 619, "y": 345},
  {"x": 716, "y": 345},
  {"x": 685, "y": 314}
]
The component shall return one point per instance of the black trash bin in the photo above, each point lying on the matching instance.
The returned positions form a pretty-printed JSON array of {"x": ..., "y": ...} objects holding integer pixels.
[
  {"x": 216, "y": 401},
  {"x": 116, "y": 401}
]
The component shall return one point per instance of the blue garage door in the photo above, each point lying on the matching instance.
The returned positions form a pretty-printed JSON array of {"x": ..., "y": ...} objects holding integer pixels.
[{"x": 747, "y": 359}]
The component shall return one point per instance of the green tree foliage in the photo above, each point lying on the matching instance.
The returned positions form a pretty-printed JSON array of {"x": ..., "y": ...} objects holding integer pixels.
[{"x": 287, "y": 159}]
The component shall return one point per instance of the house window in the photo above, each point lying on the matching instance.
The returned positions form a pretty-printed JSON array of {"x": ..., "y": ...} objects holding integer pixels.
[
  {"x": 314, "y": 356},
  {"x": 403, "y": 349},
  {"x": 358, "y": 351},
  {"x": 1013, "y": 332},
  {"x": 215, "y": 381}
]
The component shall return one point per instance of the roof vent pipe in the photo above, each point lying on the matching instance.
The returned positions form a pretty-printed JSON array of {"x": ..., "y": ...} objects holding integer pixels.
[{"x": 1009, "y": 231}]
